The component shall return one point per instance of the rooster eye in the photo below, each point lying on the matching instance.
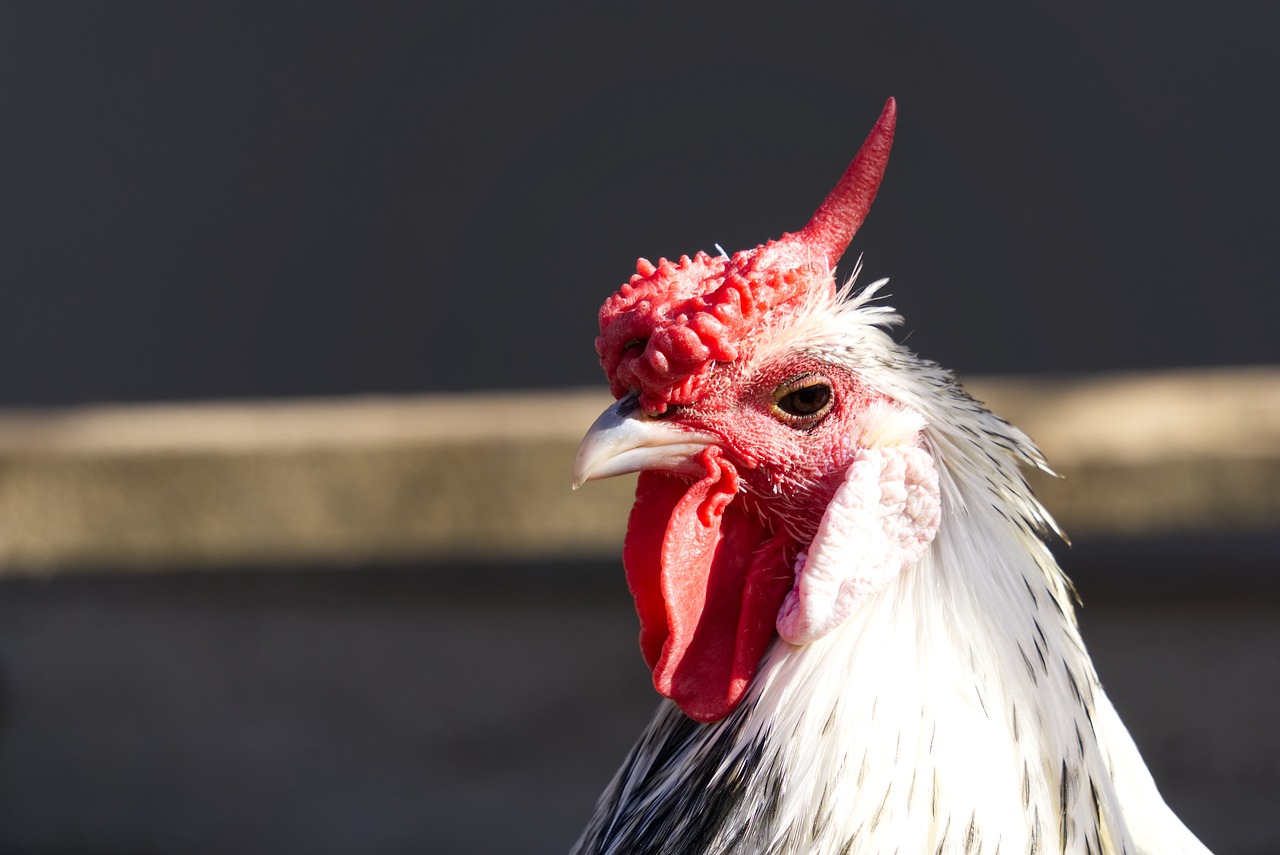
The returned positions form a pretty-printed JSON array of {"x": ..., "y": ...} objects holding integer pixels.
[{"x": 803, "y": 402}]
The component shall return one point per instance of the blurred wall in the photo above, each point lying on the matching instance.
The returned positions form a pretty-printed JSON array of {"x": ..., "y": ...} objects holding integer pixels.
[
  {"x": 477, "y": 709},
  {"x": 264, "y": 199},
  {"x": 268, "y": 199}
]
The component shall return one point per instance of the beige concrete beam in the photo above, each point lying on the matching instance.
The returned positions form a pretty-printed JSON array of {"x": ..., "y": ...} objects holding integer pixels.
[{"x": 487, "y": 475}]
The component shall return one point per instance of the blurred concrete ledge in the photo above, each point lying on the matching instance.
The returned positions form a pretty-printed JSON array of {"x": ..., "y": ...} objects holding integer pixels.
[{"x": 360, "y": 480}]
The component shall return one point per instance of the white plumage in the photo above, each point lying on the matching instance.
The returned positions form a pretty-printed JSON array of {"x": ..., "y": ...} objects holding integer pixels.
[{"x": 953, "y": 709}]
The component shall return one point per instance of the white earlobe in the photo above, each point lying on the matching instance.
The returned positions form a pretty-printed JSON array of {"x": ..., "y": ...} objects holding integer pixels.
[{"x": 880, "y": 522}]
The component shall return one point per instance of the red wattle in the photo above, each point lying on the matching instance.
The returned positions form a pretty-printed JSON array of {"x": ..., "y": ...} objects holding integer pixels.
[{"x": 708, "y": 581}]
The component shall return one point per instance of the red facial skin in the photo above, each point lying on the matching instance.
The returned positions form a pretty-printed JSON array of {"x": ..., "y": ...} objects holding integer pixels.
[
  {"x": 789, "y": 473},
  {"x": 710, "y": 560}
]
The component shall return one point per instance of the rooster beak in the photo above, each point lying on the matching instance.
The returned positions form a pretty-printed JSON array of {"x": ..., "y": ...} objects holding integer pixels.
[{"x": 624, "y": 440}]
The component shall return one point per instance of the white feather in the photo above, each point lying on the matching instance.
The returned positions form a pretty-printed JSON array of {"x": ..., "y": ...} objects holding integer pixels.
[{"x": 955, "y": 711}]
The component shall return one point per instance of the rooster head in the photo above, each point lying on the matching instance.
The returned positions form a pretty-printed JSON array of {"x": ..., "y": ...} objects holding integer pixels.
[{"x": 778, "y": 487}]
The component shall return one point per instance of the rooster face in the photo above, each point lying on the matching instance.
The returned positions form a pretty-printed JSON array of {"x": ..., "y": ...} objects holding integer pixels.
[
  {"x": 788, "y": 423},
  {"x": 776, "y": 488}
]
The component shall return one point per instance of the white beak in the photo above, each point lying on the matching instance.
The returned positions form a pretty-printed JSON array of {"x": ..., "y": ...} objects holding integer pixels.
[{"x": 624, "y": 440}]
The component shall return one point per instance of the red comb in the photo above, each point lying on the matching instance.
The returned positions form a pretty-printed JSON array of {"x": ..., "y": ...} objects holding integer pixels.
[
  {"x": 833, "y": 225},
  {"x": 661, "y": 333}
]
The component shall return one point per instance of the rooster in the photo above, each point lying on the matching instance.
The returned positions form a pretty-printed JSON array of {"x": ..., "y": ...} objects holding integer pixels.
[{"x": 842, "y": 581}]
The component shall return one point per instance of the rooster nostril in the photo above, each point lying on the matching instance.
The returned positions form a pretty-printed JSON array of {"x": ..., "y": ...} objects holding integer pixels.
[
  {"x": 659, "y": 415},
  {"x": 629, "y": 406}
]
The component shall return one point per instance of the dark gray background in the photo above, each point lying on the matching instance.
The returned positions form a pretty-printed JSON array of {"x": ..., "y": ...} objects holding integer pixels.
[
  {"x": 268, "y": 198},
  {"x": 265, "y": 199},
  {"x": 481, "y": 708}
]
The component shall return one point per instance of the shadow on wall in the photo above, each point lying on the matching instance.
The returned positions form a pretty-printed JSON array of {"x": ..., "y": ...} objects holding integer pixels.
[{"x": 481, "y": 708}]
